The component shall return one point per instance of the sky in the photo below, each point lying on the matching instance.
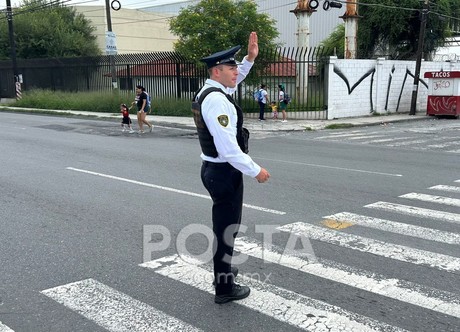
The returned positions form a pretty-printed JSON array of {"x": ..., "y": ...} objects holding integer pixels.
[{"x": 132, "y": 4}]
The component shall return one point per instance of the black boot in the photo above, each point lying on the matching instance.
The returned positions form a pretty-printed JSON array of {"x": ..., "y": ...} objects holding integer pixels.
[{"x": 238, "y": 292}]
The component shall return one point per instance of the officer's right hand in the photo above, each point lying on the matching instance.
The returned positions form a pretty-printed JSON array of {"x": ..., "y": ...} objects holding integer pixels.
[{"x": 263, "y": 176}]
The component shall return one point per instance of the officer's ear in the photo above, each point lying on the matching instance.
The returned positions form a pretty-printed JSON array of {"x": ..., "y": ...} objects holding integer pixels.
[{"x": 213, "y": 71}]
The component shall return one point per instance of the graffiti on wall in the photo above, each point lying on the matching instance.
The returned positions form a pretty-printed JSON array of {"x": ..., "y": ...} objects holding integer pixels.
[{"x": 371, "y": 72}]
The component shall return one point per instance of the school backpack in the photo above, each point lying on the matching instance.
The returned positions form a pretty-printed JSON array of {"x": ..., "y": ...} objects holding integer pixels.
[
  {"x": 149, "y": 99},
  {"x": 258, "y": 95},
  {"x": 287, "y": 98}
]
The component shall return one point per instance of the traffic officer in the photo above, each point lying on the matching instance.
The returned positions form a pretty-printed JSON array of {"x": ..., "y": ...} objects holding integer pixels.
[{"x": 223, "y": 142}]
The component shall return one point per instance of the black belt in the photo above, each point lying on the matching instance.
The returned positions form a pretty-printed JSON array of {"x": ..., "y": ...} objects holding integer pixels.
[{"x": 216, "y": 165}]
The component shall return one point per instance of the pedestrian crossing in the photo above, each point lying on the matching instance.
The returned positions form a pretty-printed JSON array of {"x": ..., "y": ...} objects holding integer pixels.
[
  {"x": 115, "y": 311},
  {"x": 4, "y": 328},
  {"x": 433, "y": 140}
]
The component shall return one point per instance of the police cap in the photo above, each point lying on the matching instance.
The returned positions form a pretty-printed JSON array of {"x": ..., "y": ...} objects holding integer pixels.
[{"x": 226, "y": 57}]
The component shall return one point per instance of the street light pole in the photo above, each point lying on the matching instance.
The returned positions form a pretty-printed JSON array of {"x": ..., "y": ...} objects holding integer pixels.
[
  {"x": 9, "y": 15},
  {"x": 111, "y": 56},
  {"x": 418, "y": 64}
]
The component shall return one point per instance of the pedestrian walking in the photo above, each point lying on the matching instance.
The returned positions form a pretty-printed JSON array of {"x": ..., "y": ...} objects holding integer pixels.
[
  {"x": 223, "y": 142},
  {"x": 281, "y": 101},
  {"x": 126, "y": 120},
  {"x": 274, "y": 108},
  {"x": 262, "y": 101},
  {"x": 142, "y": 108}
]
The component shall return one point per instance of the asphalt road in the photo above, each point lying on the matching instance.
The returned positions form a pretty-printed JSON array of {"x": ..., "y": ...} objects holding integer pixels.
[{"x": 363, "y": 236}]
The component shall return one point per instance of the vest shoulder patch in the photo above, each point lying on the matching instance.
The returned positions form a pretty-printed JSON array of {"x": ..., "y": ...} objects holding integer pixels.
[{"x": 223, "y": 120}]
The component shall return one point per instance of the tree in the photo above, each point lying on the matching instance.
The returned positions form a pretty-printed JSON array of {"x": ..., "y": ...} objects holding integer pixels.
[
  {"x": 45, "y": 29},
  {"x": 215, "y": 25},
  {"x": 334, "y": 44},
  {"x": 392, "y": 28}
]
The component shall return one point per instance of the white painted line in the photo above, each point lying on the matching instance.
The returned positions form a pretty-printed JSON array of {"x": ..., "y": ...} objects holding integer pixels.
[
  {"x": 454, "y": 151},
  {"x": 279, "y": 303},
  {"x": 415, "y": 211},
  {"x": 408, "y": 143},
  {"x": 364, "y": 137},
  {"x": 443, "y": 145},
  {"x": 405, "y": 291},
  {"x": 330, "y": 167},
  {"x": 432, "y": 199},
  {"x": 338, "y": 135},
  {"x": 113, "y": 310},
  {"x": 177, "y": 191},
  {"x": 452, "y": 189},
  {"x": 376, "y": 247},
  {"x": 398, "y": 227},
  {"x": 457, "y": 181},
  {"x": 384, "y": 140},
  {"x": 4, "y": 328}
]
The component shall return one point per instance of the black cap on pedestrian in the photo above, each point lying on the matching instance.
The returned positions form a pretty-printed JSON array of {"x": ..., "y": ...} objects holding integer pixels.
[{"x": 226, "y": 57}]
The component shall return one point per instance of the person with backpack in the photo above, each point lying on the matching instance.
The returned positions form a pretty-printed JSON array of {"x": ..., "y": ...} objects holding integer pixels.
[
  {"x": 262, "y": 100},
  {"x": 282, "y": 101},
  {"x": 224, "y": 146},
  {"x": 142, "y": 108}
]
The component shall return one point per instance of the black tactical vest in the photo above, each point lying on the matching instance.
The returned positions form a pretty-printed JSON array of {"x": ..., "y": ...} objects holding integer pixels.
[{"x": 206, "y": 140}]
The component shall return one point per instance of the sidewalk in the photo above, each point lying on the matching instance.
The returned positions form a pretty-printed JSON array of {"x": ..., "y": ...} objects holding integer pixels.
[{"x": 255, "y": 124}]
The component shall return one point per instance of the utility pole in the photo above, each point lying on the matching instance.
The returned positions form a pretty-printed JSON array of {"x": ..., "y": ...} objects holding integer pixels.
[
  {"x": 418, "y": 63},
  {"x": 351, "y": 30},
  {"x": 303, "y": 13},
  {"x": 111, "y": 55},
  {"x": 9, "y": 16}
]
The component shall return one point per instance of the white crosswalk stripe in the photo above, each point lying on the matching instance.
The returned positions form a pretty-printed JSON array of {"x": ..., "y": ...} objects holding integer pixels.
[
  {"x": 432, "y": 199},
  {"x": 116, "y": 311},
  {"x": 409, "y": 142},
  {"x": 376, "y": 247},
  {"x": 397, "y": 227},
  {"x": 385, "y": 140},
  {"x": 452, "y": 189},
  {"x": 391, "y": 138},
  {"x": 4, "y": 328},
  {"x": 113, "y": 310},
  {"x": 400, "y": 290},
  {"x": 416, "y": 211},
  {"x": 284, "y": 305}
]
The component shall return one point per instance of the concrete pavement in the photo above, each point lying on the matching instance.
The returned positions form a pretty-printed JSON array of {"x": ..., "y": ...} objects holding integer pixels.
[{"x": 251, "y": 123}]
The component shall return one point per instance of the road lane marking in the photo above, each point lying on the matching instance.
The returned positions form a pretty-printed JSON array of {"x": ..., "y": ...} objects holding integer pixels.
[
  {"x": 452, "y": 189},
  {"x": 408, "y": 143},
  {"x": 177, "y": 191},
  {"x": 404, "y": 291},
  {"x": 330, "y": 167},
  {"x": 384, "y": 140},
  {"x": 376, "y": 247},
  {"x": 281, "y": 304},
  {"x": 113, "y": 310},
  {"x": 397, "y": 227},
  {"x": 364, "y": 137},
  {"x": 338, "y": 135},
  {"x": 415, "y": 211},
  {"x": 4, "y": 328},
  {"x": 432, "y": 199}
]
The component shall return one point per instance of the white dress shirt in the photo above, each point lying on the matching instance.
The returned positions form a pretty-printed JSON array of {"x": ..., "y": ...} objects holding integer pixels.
[{"x": 215, "y": 106}]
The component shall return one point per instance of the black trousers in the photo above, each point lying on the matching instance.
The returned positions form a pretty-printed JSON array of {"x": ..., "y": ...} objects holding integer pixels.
[
  {"x": 261, "y": 110},
  {"x": 225, "y": 185}
]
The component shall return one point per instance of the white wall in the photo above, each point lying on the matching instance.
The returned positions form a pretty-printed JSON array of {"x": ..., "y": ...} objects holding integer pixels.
[
  {"x": 137, "y": 31},
  {"x": 387, "y": 88}
]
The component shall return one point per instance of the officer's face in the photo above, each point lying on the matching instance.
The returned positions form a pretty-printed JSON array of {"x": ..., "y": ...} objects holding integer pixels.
[{"x": 227, "y": 75}]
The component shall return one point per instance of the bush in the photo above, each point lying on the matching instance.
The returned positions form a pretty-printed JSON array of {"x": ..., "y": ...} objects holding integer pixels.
[{"x": 101, "y": 101}]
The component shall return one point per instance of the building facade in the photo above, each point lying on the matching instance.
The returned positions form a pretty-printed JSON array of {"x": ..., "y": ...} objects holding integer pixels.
[{"x": 147, "y": 29}]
